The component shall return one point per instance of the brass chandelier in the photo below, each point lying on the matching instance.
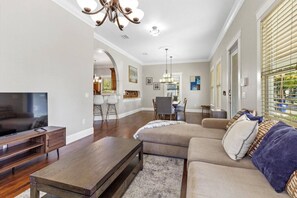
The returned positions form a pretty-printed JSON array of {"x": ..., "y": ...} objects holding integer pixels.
[{"x": 119, "y": 12}]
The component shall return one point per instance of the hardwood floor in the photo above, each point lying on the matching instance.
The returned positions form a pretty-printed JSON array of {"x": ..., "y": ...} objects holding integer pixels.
[{"x": 12, "y": 185}]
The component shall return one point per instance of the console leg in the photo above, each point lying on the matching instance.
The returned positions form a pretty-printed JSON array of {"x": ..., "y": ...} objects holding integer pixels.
[{"x": 58, "y": 153}]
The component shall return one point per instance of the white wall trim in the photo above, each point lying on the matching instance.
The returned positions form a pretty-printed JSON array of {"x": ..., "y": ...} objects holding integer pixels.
[
  {"x": 259, "y": 86},
  {"x": 236, "y": 38},
  {"x": 116, "y": 48},
  {"x": 235, "y": 9},
  {"x": 147, "y": 109},
  {"x": 79, "y": 135},
  {"x": 122, "y": 115},
  {"x": 194, "y": 110},
  {"x": 266, "y": 8},
  {"x": 178, "y": 62},
  {"x": 71, "y": 9},
  {"x": 187, "y": 110}
]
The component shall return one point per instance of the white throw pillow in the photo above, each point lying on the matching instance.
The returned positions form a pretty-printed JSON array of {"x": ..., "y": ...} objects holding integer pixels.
[{"x": 239, "y": 137}]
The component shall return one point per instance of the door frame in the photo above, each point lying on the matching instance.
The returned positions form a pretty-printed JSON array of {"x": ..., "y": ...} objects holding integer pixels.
[
  {"x": 236, "y": 41},
  {"x": 180, "y": 74}
]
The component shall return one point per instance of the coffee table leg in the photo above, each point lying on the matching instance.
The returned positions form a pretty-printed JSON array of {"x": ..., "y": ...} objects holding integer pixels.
[
  {"x": 34, "y": 193},
  {"x": 140, "y": 156}
]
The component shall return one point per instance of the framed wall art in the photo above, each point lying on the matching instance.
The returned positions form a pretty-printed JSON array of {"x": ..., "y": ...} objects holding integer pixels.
[
  {"x": 156, "y": 85},
  {"x": 133, "y": 75},
  {"x": 149, "y": 80},
  {"x": 195, "y": 83}
]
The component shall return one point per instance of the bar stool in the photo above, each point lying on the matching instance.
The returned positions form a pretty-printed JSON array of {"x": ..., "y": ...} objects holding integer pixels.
[
  {"x": 111, "y": 105},
  {"x": 98, "y": 102}
]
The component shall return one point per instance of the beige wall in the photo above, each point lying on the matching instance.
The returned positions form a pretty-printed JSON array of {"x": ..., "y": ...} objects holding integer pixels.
[
  {"x": 43, "y": 48},
  {"x": 195, "y": 98},
  {"x": 246, "y": 23}
]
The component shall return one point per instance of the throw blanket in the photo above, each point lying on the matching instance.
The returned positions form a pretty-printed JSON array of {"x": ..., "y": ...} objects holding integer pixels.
[{"x": 157, "y": 124}]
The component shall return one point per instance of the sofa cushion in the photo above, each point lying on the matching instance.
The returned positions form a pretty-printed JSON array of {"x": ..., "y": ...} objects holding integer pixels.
[
  {"x": 237, "y": 115},
  {"x": 212, "y": 181},
  {"x": 291, "y": 186},
  {"x": 178, "y": 135},
  {"x": 276, "y": 156},
  {"x": 212, "y": 151},
  {"x": 262, "y": 130},
  {"x": 239, "y": 137}
]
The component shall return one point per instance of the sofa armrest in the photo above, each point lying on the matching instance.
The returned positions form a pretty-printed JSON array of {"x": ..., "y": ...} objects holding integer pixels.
[{"x": 216, "y": 123}]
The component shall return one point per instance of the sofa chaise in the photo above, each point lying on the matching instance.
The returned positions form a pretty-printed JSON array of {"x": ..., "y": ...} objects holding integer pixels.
[{"x": 211, "y": 172}]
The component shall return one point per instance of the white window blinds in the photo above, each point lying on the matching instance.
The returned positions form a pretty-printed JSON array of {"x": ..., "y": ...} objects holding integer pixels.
[{"x": 279, "y": 62}]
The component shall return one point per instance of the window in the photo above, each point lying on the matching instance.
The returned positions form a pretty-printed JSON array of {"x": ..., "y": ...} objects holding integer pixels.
[
  {"x": 212, "y": 83},
  {"x": 218, "y": 85},
  {"x": 106, "y": 85},
  {"x": 279, "y": 62},
  {"x": 174, "y": 89}
]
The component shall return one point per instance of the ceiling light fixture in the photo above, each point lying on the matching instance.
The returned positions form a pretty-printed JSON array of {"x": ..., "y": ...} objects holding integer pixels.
[
  {"x": 155, "y": 31},
  {"x": 119, "y": 12},
  {"x": 167, "y": 78}
]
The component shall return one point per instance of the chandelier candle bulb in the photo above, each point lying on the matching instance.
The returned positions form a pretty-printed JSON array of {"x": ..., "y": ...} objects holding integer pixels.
[
  {"x": 87, "y": 5},
  {"x": 120, "y": 12}
]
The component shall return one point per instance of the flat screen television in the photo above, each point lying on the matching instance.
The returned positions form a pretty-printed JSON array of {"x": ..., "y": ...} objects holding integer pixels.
[{"x": 22, "y": 111}]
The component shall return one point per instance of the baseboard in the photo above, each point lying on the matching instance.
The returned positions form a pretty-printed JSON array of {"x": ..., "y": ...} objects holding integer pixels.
[
  {"x": 194, "y": 110},
  {"x": 79, "y": 135},
  {"x": 187, "y": 110},
  {"x": 147, "y": 109},
  {"x": 122, "y": 115}
]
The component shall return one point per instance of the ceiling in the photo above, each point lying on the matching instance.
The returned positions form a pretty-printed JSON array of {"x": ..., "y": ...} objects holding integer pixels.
[
  {"x": 102, "y": 60},
  {"x": 189, "y": 28}
]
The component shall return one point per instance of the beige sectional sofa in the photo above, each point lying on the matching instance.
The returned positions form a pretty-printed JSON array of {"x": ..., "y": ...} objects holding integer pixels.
[{"x": 211, "y": 173}]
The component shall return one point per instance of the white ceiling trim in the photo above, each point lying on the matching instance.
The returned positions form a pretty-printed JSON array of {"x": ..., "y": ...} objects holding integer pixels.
[
  {"x": 68, "y": 7},
  {"x": 178, "y": 62},
  {"x": 73, "y": 11},
  {"x": 235, "y": 9},
  {"x": 116, "y": 48}
]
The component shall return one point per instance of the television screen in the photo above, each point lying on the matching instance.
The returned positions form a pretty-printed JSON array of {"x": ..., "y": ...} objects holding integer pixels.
[{"x": 22, "y": 111}]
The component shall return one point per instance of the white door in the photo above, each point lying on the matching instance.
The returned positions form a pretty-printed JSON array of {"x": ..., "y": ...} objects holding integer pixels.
[{"x": 234, "y": 89}]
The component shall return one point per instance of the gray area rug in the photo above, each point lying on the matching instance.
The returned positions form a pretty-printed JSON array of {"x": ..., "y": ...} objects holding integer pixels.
[{"x": 161, "y": 177}]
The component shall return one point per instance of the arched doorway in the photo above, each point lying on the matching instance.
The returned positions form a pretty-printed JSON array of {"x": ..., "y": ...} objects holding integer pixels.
[{"x": 105, "y": 77}]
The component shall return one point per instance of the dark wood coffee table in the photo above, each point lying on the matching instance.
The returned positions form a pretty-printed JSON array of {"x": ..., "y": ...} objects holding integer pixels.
[{"x": 103, "y": 169}]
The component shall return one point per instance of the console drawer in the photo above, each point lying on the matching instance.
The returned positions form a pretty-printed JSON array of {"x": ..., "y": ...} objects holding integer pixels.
[{"x": 55, "y": 140}]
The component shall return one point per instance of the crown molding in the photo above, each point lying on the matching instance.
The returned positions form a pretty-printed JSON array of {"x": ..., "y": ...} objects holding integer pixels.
[
  {"x": 179, "y": 62},
  {"x": 235, "y": 9},
  {"x": 72, "y": 10},
  {"x": 116, "y": 48},
  {"x": 266, "y": 8}
]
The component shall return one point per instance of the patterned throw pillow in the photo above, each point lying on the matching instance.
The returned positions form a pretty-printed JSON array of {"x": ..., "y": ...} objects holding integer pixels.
[
  {"x": 237, "y": 115},
  {"x": 291, "y": 186},
  {"x": 264, "y": 127}
]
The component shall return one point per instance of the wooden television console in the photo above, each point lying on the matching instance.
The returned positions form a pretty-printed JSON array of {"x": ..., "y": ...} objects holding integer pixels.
[{"x": 19, "y": 148}]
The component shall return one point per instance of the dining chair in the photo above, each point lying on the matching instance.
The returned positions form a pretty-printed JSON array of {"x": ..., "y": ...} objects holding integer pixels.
[
  {"x": 164, "y": 107},
  {"x": 155, "y": 109},
  {"x": 181, "y": 111}
]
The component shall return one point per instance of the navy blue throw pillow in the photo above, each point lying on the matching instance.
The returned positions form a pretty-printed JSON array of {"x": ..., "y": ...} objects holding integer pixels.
[
  {"x": 276, "y": 156},
  {"x": 252, "y": 117}
]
